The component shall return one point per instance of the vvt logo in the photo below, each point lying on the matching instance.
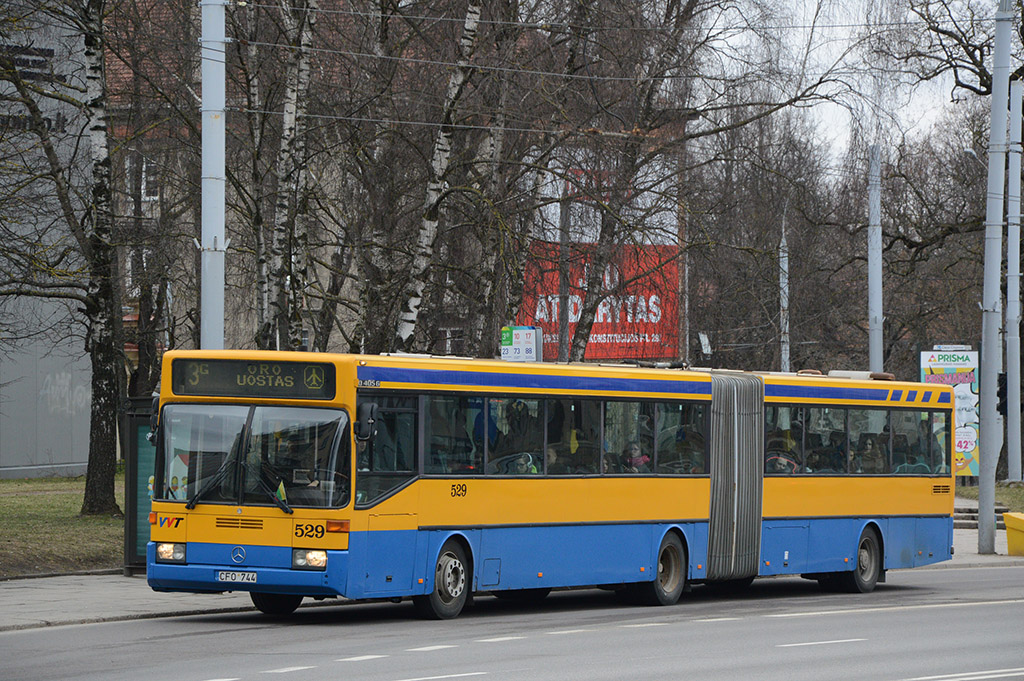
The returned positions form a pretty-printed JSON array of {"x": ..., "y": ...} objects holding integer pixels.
[{"x": 170, "y": 522}]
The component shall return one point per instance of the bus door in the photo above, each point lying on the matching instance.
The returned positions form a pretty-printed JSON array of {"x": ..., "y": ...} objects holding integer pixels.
[{"x": 737, "y": 454}]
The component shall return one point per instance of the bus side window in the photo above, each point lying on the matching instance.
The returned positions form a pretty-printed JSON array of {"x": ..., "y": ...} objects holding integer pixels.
[
  {"x": 574, "y": 431},
  {"x": 782, "y": 441},
  {"x": 388, "y": 460},
  {"x": 680, "y": 438}
]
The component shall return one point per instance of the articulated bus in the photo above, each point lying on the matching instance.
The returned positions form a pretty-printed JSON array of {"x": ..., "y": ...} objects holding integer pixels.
[{"x": 295, "y": 475}]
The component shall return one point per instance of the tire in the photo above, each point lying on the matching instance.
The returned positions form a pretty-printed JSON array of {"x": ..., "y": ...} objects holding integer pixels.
[
  {"x": 451, "y": 585},
  {"x": 868, "y": 567},
  {"x": 275, "y": 604},
  {"x": 670, "y": 579},
  {"x": 522, "y": 595}
]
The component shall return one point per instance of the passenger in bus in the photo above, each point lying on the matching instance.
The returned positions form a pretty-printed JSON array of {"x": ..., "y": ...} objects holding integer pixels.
[
  {"x": 873, "y": 461},
  {"x": 524, "y": 465},
  {"x": 608, "y": 465},
  {"x": 524, "y": 433},
  {"x": 555, "y": 466},
  {"x": 634, "y": 460}
]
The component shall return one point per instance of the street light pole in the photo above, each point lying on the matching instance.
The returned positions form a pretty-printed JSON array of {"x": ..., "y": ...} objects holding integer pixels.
[
  {"x": 214, "y": 180},
  {"x": 990, "y": 350},
  {"x": 1013, "y": 433},
  {"x": 875, "y": 260}
]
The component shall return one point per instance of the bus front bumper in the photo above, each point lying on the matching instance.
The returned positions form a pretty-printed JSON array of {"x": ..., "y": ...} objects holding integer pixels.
[{"x": 266, "y": 576}]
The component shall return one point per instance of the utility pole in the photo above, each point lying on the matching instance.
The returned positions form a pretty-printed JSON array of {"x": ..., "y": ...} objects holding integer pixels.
[
  {"x": 990, "y": 304},
  {"x": 784, "y": 293},
  {"x": 1013, "y": 445},
  {"x": 875, "y": 317},
  {"x": 214, "y": 55}
]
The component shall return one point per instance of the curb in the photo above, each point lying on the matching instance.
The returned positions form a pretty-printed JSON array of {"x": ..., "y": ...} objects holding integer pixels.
[
  {"x": 42, "y": 624},
  {"x": 81, "y": 573}
]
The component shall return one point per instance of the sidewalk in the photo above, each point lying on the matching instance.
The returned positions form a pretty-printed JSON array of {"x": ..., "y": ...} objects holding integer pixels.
[{"x": 78, "y": 599}]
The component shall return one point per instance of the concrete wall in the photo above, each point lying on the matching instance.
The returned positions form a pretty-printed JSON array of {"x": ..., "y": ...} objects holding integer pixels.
[{"x": 44, "y": 413}]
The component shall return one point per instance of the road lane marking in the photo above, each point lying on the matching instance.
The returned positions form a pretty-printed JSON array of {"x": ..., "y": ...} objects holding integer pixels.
[
  {"x": 446, "y": 676},
  {"x": 892, "y": 608},
  {"x": 285, "y": 670},
  {"x": 568, "y": 631},
  {"x": 820, "y": 643},
  {"x": 234, "y": 679},
  {"x": 641, "y": 626},
  {"x": 719, "y": 619},
  {"x": 499, "y": 639},
  {"x": 360, "y": 658},
  {"x": 972, "y": 676},
  {"x": 427, "y": 649}
]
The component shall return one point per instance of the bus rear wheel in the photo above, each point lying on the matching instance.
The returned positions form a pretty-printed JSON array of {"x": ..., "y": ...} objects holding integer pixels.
[
  {"x": 868, "y": 568},
  {"x": 275, "y": 604},
  {"x": 451, "y": 585},
  {"x": 670, "y": 579}
]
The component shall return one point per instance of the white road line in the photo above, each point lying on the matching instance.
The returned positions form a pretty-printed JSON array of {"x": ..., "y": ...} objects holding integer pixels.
[
  {"x": 719, "y": 619},
  {"x": 568, "y": 631},
  {"x": 285, "y": 670},
  {"x": 499, "y": 639},
  {"x": 820, "y": 643},
  {"x": 641, "y": 626},
  {"x": 987, "y": 674},
  {"x": 427, "y": 649},
  {"x": 446, "y": 676},
  {"x": 234, "y": 679},
  {"x": 360, "y": 658},
  {"x": 891, "y": 608}
]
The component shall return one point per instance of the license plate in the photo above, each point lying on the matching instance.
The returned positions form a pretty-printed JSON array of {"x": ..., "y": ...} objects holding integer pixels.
[{"x": 229, "y": 576}]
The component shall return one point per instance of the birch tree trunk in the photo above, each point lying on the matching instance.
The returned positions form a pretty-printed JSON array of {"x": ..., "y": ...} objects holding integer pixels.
[
  {"x": 423, "y": 254},
  {"x": 102, "y": 307},
  {"x": 286, "y": 280}
]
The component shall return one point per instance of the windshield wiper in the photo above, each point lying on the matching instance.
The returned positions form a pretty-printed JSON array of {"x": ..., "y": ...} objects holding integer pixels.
[
  {"x": 270, "y": 491},
  {"x": 214, "y": 481}
]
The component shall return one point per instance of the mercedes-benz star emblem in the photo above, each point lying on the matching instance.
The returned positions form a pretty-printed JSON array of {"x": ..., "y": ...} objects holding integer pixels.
[{"x": 238, "y": 554}]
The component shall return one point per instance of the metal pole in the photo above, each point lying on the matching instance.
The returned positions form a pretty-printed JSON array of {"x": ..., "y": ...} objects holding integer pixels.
[
  {"x": 1013, "y": 446},
  {"x": 563, "y": 280},
  {"x": 784, "y": 293},
  {"x": 875, "y": 260},
  {"x": 990, "y": 350},
  {"x": 214, "y": 55}
]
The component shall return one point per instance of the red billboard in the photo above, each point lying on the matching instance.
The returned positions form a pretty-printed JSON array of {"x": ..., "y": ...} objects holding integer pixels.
[{"x": 638, "y": 317}]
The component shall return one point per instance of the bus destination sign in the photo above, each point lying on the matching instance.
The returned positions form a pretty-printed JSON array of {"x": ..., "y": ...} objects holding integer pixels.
[{"x": 253, "y": 378}]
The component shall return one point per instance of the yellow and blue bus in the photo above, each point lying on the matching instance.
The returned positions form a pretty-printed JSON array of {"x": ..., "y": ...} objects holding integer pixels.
[{"x": 294, "y": 475}]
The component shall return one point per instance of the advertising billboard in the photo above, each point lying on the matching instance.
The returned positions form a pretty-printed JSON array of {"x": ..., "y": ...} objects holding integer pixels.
[
  {"x": 952, "y": 365},
  {"x": 638, "y": 315}
]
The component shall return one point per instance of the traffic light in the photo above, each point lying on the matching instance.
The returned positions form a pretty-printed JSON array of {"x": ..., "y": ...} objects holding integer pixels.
[{"x": 1001, "y": 395}]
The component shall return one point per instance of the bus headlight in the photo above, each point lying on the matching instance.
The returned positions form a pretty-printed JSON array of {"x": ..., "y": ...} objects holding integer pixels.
[
  {"x": 309, "y": 559},
  {"x": 170, "y": 553}
]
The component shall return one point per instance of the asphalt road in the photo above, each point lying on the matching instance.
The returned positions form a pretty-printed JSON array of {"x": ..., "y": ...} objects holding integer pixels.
[{"x": 927, "y": 625}]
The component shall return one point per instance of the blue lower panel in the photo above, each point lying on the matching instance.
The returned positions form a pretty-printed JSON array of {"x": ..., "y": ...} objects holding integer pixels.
[
  {"x": 393, "y": 563},
  {"x": 811, "y": 545},
  {"x": 271, "y": 565}
]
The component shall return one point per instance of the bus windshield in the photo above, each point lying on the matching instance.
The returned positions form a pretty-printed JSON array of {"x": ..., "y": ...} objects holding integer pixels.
[{"x": 255, "y": 455}]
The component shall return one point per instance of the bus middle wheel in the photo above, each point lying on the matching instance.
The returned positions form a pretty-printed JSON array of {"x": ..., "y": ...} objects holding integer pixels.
[{"x": 670, "y": 579}]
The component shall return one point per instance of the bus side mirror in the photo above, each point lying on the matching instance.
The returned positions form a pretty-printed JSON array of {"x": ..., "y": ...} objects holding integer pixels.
[
  {"x": 154, "y": 420},
  {"x": 366, "y": 421}
]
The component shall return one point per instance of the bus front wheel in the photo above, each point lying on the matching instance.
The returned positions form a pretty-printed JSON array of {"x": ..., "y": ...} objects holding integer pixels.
[
  {"x": 451, "y": 585},
  {"x": 275, "y": 604},
  {"x": 868, "y": 567},
  {"x": 670, "y": 579}
]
